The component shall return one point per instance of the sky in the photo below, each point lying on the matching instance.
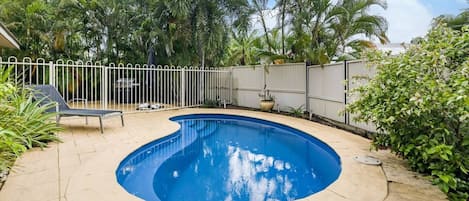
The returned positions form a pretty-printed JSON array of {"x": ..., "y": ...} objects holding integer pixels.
[{"x": 407, "y": 19}]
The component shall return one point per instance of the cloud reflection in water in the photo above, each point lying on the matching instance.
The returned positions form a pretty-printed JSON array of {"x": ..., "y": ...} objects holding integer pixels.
[{"x": 247, "y": 172}]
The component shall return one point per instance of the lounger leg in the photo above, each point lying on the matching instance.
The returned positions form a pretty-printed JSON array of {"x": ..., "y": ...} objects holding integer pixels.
[
  {"x": 101, "y": 124},
  {"x": 86, "y": 120},
  {"x": 57, "y": 119},
  {"x": 122, "y": 120}
]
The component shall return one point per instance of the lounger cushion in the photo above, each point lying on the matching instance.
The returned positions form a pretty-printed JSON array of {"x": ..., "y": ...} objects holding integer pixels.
[{"x": 85, "y": 112}]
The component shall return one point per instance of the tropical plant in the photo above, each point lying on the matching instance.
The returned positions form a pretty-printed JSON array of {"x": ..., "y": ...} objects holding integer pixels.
[
  {"x": 23, "y": 122},
  {"x": 353, "y": 22},
  {"x": 454, "y": 22},
  {"x": 195, "y": 32},
  {"x": 283, "y": 6},
  {"x": 420, "y": 99},
  {"x": 261, "y": 9},
  {"x": 323, "y": 29},
  {"x": 10, "y": 149},
  {"x": 29, "y": 20},
  {"x": 181, "y": 32},
  {"x": 243, "y": 49},
  {"x": 266, "y": 95},
  {"x": 30, "y": 120},
  {"x": 298, "y": 111},
  {"x": 274, "y": 52}
]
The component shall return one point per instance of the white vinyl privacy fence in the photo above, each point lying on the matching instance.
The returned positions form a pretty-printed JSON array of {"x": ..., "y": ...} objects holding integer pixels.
[
  {"x": 128, "y": 87},
  {"x": 329, "y": 88},
  {"x": 320, "y": 90},
  {"x": 286, "y": 82}
]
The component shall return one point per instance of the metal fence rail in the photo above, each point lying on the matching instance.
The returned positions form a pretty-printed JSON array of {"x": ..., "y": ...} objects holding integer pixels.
[{"x": 129, "y": 87}]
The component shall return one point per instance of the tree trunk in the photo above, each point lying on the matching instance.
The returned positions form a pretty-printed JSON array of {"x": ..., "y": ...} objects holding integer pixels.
[
  {"x": 243, "y": 58},
  {"x": 264, "y": 26},
  {"x": 202, "y": 58},
  {"x": 266, "y": 32}
]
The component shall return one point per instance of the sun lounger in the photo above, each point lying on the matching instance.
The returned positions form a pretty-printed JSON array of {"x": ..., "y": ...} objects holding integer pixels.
[{"x": 48, "y": 93}]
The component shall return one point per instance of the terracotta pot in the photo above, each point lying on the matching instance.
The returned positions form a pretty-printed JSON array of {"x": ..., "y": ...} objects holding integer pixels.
[
  {"x": 279, "y": 61},
  {"x": 267, "y": 105}
]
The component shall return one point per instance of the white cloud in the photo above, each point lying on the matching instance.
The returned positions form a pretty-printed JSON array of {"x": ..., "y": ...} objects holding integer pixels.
[
  {"x": 270, "y": 17},
  {"x": 406, "y": 18}
]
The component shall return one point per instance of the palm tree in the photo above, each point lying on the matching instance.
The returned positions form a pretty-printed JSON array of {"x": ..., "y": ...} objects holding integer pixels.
[
  {"x": 311, "y": 18},
  {"x": 244, "y": 49},
  {"x": 353, "y": 22},
  {"x": 331, "y": 27},
  {"x": 276, "y": 51},
  {"x": 282, "y": 6},
  {"x": 260, "y": 6}
]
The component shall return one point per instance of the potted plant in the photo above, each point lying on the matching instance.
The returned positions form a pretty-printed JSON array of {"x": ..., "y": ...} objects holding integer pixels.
[{"x": 267, "y": 101}]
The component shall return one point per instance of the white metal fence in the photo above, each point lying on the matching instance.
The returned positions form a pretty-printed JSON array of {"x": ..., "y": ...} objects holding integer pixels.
[{"x": 130, "y": 88}]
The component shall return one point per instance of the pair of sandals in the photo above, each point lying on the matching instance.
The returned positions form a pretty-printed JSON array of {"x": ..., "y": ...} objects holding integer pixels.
[{"x": 148, "y": 106}]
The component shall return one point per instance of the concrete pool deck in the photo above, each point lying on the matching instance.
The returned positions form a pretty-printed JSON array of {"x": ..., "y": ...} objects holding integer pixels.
[{"x": 82, "y": 167}]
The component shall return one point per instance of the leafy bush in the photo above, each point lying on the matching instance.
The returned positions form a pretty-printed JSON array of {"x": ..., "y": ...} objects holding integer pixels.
[
  {"x": 10, "y": 148},
  {"x": 23, "y": 122},
  {"x": 420, "y": 99}
]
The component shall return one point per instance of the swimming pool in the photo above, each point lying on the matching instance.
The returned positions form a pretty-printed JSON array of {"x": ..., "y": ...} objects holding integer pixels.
[{"x": 229, "y": 157}]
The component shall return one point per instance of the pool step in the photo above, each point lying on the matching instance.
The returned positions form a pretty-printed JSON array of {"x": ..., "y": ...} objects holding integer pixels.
[
  {"x": 204, "y": 128},
  {"x": 189, "y": 122},
  {"x": 199, "y": 125},
  {"x": 158, "y": 154},
  {"x": 209, "y": 129}
]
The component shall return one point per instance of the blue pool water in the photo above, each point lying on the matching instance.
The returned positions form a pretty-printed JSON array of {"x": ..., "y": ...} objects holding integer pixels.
[{"x": 225, "y": 157}]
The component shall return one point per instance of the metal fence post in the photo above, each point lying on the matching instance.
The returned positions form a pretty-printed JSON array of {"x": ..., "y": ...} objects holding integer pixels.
[
  {"x": 231, "y": 85},
  {"x": 202, "y": 83},
  {"x": 348, "y": 90},
  {"x": 264, "y": 79},
  {"x": 183, "y": 87},
  {"x": 52, "y": 73},
  {"x": 104, "y": 90},
  {"x": 346, "y": 79},
  {"x": 307, "y": 89}
]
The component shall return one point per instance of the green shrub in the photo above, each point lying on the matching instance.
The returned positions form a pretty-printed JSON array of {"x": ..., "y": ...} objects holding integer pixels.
[
  {"x": 10, "y": 148},
  {"x": 420, "y": 99},
  {"x": 297, "y": 112},
  {"x": 23, "y": 122}
]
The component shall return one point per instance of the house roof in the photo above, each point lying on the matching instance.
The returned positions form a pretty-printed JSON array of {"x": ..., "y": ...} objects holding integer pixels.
[{"x": 7, "y": 39}]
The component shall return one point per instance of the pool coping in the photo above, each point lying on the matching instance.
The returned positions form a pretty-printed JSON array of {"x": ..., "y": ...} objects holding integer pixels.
[{"x": 96, "y": 179}]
